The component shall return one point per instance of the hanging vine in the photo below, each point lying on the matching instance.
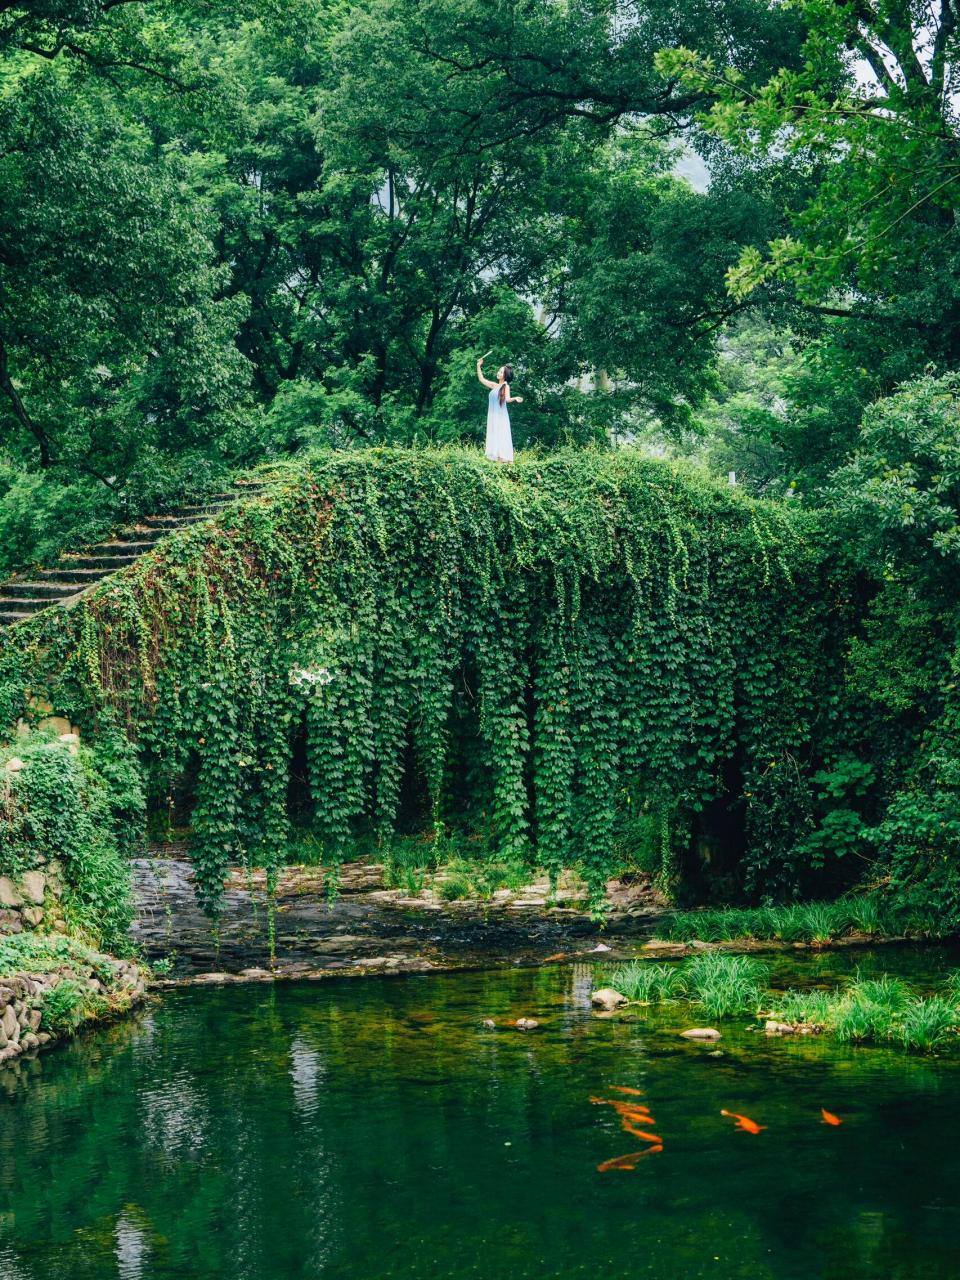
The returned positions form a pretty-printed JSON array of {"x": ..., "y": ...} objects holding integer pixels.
[{"x": 561, "y": 634}]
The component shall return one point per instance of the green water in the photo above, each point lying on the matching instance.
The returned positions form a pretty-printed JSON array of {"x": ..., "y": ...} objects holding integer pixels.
[{"x": 373, "y": 1128}]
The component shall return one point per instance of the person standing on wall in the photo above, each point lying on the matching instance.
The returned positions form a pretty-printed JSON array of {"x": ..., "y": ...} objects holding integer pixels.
[{"x": 499, "y": 446}]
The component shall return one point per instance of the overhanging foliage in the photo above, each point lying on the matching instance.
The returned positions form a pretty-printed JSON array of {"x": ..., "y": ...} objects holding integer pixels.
[{"x": 554, "y": 645}]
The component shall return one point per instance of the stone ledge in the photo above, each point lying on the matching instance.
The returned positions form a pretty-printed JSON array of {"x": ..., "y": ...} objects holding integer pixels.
[{"x": 103, "y": 990}]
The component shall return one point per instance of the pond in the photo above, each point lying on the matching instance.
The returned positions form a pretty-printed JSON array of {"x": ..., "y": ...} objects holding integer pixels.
[{"x": 375, "y": 1128}]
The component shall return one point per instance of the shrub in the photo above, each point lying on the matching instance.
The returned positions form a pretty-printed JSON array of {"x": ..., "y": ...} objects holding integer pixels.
[
  {"x": 64, "y": 1007},
  {"x": 74, "y": 809}
]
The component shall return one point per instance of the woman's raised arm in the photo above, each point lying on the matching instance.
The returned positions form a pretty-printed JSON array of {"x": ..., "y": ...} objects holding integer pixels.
[{"x": 486, "y": 381}]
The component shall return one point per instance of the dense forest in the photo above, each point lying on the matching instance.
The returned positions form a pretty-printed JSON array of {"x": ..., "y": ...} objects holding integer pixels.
[{"x": 235, "y": 233}]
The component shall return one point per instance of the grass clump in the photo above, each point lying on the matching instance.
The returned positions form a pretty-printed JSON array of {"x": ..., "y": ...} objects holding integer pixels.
[
  {"x": 803, "y": 922},
  {"x": 882, "y": 1010},
  {"x": 724, "y": 985},
  {"x": 813, "y": 1008},
  {"x": 876, "y": 1011},
  {"x": 927, "y": 1024},
  {"x": 454, "y": 887},
  {"x": 648, "y": 983},
  {"x": 815, "y": 922}
]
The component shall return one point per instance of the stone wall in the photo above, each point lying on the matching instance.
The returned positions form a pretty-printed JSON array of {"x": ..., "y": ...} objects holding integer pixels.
[
  {"x": 32, "y": 900},
  {"x": 30, "y": 1019}
]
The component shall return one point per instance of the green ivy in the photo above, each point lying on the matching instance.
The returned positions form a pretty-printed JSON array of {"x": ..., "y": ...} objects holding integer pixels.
[{"x": 549, "y": 641}]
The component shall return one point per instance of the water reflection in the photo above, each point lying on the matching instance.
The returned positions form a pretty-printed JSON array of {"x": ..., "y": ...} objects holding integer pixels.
[
  {"x": 132, "y": 1248},
  {"x": 306, "y": 1072},
  {"x": 379, "y": 1129}
]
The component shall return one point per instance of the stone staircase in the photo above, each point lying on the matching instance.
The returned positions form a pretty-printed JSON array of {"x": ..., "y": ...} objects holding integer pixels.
[{"x": 75, "y": 572}]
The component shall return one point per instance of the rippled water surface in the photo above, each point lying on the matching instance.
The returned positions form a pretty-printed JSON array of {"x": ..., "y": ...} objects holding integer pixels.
[{"x": 374, "y": 1128}]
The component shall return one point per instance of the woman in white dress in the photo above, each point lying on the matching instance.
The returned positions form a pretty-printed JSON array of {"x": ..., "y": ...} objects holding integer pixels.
[{"x": 499, "y": 439}]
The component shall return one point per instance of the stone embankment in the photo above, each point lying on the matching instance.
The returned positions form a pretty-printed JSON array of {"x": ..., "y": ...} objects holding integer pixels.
[
  {"x": 32, "y": 900},
  {"x": 37, "y": 1009},
  {"x": 368, "y": 926}
]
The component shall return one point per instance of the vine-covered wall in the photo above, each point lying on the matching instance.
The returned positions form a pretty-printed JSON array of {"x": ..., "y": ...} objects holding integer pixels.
[{"x": 562, "y": 653}]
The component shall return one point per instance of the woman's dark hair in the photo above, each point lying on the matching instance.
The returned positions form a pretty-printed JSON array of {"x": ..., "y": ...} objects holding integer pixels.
[{"x": 507, "y": 375}]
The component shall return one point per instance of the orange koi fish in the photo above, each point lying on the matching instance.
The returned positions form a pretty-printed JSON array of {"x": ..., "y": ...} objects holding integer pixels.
[
  {"x": 619, "y": 1106},
  {"x": 829, "y": 1117},
  {"x": 640, "y": 1133},
  {"x": 625, "y": 1088},
  {"x": 628, "y": 1115},
  {"x": 744, "y": 1122},
  {"x": 629, "y": 1161}
]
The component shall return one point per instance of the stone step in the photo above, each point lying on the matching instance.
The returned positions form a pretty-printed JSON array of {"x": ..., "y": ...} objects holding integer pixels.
[
  {"x": 86, "y": 577},
  {"x": 75, "y": 572},
  {"x": 162, "y": 523},
  {"x": 203, "y": 512},
  {"x": 103, "y": 563},
  {"x": 120, "y": 547},
  {"x": 149, "y": 535},
  {"x": 28, "y": 604},
  {"x": 33, "y": 590}
]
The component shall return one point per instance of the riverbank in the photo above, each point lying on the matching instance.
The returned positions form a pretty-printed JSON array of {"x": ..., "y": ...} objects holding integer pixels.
[
  {"x": 371, "y": 928},
  {"x": 51, "y": 987}
]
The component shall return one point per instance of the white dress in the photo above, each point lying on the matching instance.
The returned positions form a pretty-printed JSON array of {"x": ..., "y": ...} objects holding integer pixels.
[{"x": 499, "y": 439}]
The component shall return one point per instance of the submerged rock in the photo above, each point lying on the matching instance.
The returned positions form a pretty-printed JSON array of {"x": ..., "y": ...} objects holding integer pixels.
[
  {"x": 527, "y": 1024},
  {"x": 489, "y": 1024},
  {"x": 607, "y": 998},
  {"x": 701, "y": 1033},
  {"x": 774, "y": 1028}
]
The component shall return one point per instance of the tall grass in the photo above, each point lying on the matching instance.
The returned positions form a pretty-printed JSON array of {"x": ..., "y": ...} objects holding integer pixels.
[
  {"x": 801, "y": 922},
  {"x": 648, "y": 983},
  {"x": 812, "y": 1007},
  {"x": 877, "y": 1010},
  {"x": 928, "y": 1024},
  {"x": 882, "y": 1010},
  {"x": 723, "y": 985}
]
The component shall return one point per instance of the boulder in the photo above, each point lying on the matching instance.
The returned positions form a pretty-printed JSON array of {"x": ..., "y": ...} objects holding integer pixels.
[
  {"x": 29, "y": 1040},
  {"x": 607, "y": 998},
  {"x": 774, "y": 1028},
  {"x": 10, "y": 1023},
  {"x": 527, "y": 1024},
  {"x": 701, "y": 1033},
  {"x": 33, "y": 884},
  {"x": 33, "y": 916},
  {"x": 8, "y": 893},
  {"x": 10, "y": 922},
  {"x": 14, "y": 764},
  {"x": 489, "y": 1024}
]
